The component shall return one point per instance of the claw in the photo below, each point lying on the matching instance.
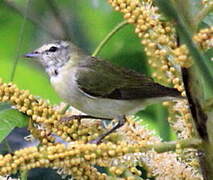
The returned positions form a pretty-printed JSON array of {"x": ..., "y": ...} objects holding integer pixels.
[{"x": 121, "y": 122}]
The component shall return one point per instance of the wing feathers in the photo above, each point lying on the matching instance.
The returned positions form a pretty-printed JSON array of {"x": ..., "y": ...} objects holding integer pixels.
[{"x": 99, "y": 78}]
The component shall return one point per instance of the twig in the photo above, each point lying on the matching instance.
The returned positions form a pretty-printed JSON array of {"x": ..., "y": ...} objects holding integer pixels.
[
  {"x": 108, "y": 36},
  {"x": 30, "y": 17},
  {"x": 56, "y": 12}
]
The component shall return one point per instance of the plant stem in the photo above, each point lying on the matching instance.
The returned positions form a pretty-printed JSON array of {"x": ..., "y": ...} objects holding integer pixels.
[
  {"x": 202, "y": 14},
  {"x": 172, "y": 145},
  {"x": 108, "y": 36},
  {"x": 23, "y": 175},
  {"x": 20, "y": 41},
  {"x": 66, "y": 107}
]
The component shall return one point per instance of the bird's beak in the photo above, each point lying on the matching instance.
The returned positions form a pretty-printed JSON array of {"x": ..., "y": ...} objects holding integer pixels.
[{"x": 32, "y": 55}]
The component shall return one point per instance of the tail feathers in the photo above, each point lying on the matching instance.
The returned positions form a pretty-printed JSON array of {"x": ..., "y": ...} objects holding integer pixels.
[{"x": 172, "y": 92}]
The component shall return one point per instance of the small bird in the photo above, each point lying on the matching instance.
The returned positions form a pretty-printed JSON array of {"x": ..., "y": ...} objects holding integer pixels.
[{"x": 97, "y": 87}]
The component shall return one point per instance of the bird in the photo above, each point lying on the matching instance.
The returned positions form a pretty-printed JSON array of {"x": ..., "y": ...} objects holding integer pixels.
[{"x": 96, "y": 87}]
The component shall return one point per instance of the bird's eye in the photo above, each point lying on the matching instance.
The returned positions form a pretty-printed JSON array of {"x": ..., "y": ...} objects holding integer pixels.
[{"x": 53, "y": 49}]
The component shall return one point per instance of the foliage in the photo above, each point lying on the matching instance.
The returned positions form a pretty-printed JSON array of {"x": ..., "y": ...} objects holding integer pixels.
[{"x": 7, "y": 116}]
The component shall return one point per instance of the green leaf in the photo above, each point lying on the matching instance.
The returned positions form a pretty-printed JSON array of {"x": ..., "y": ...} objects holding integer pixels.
[
  {"x": 4, "y": 106},
  {"x": 209, "y": 20},
  {"x": 9, "y": 119}
]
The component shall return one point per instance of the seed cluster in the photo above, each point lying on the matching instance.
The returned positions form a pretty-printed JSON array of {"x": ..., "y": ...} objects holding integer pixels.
[
  {"x": 182, "y": 57},
  {"x": 79, "y": 159},
  {"x": 57, "y": 156},
  {"x": 205, "y": 38},
  {"x": 75, "y": 159},
  {"x": 45, "y": 121},
  {"x": 158, "y": 37},
  {"x": 46, "y": 117},
  {"x": 165, "y": 56}
]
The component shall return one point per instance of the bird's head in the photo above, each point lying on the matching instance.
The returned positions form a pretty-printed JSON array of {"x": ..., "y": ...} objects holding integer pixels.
[{"x": 52, "y": 54}]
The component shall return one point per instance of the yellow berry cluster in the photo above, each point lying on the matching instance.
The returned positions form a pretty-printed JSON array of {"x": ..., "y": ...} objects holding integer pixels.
[
  {"x": 48, "y": 119},
  {"x": 182, "y": 56},
  {"x": 157, "y": 36},
  {"x": 205, "y": 38},
  {"x": 79, "y": 160},
  {"x": 76, "y": 159},
  {"x": 160, "y": 44},
  {"x": 180, "y": 119},
  {"x": 57, "y": 156},
  {"x": 44, "y": 115}
]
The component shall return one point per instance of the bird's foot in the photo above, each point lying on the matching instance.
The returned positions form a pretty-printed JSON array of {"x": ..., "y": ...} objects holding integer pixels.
[{"x": 121, "y": 122}]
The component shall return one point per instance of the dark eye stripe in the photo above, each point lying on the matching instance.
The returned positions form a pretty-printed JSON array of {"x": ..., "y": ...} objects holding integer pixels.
[{"x": 53, "y": 49}]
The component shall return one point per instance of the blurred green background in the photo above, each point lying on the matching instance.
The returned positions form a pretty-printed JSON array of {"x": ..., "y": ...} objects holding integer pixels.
[{"x": 25, "y": 25}]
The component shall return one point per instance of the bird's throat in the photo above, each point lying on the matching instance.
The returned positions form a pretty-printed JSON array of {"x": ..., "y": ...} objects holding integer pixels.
[{"x": 52, "y": 70}]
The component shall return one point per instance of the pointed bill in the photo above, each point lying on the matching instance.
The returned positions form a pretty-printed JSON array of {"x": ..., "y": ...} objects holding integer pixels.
[{"x": 32, "y": 55}]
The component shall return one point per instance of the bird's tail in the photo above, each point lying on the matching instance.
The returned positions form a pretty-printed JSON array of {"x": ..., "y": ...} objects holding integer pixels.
[
  {"x": 163, "y": 91},
  {"x": 173, "y": 92}
]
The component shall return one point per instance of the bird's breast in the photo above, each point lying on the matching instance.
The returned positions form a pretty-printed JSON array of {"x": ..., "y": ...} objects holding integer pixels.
[{"x": 66, "y": 86}]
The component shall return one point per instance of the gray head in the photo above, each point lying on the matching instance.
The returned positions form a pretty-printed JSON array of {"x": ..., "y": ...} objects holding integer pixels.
[{"x": 54, "y": 55}]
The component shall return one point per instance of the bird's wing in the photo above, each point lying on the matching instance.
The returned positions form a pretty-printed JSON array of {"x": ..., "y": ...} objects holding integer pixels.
[{"x": 100, "y": 78}]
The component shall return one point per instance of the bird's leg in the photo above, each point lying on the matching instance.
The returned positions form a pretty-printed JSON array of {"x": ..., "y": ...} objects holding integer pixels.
[
  {"x": 79, "y": 117},
  {"x": 121, "y": 122}
]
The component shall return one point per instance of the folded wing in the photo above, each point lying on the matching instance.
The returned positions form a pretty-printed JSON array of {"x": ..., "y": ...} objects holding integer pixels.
[{"x": 100, "y": 78}]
